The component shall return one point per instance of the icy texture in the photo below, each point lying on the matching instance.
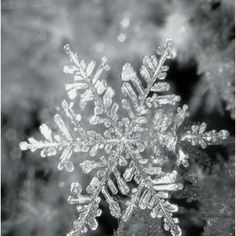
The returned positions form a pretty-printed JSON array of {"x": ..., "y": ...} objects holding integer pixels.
[{"x": 144, "y": 180}]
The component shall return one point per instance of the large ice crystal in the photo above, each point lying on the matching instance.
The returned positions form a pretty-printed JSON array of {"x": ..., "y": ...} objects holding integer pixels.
[{"x": 132, "y": 154}]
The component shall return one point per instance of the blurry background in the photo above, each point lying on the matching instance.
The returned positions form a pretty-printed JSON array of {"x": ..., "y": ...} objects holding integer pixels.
[{"x": 34, "y": 193}]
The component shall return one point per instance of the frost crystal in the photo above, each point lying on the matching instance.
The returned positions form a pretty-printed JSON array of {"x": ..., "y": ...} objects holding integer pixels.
[{"x": 131, "y": 155}]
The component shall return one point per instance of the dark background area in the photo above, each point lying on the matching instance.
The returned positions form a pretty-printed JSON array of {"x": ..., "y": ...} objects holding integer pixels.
[{"x": 34, "y": 193}]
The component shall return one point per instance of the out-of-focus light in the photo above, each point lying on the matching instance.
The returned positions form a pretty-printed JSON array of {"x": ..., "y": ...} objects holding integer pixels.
[
  {"x": 121, "y": 37},
  {"x": 10, "y": 135},
  {"x": 61, "y": 184},
  {"x": 136, "y": 28},
  {"x": 99, "y": 47},
  {"x": 125, "y": 22}
]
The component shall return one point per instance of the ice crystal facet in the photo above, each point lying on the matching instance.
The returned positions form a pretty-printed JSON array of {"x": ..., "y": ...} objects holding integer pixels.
[{"x": 130, "y": 157}]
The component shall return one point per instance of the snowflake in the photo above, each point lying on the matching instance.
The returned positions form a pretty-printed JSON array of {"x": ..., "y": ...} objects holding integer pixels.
[{"x": 134, "y": 156}]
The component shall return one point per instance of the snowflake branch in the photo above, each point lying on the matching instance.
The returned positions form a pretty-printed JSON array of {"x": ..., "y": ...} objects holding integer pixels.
[
  {"x": 96, "y": 193},
  {"x": 146, "y": 182},
  {"x": 164, "y": 55},
  {"x": 91, "y": 84}
]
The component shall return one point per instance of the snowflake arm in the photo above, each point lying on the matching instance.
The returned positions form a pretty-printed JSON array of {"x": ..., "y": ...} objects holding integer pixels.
[
  {"x": 88, "y": 205},
  {"x": 95, "y": 88},
  {"x": 154, "y": 195},
  {"x": 151, "y": 69},
  {"x": 87, "y": 141},
  {"x": 199, "y": 136},
  {"x": 166, "y": 134}
]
